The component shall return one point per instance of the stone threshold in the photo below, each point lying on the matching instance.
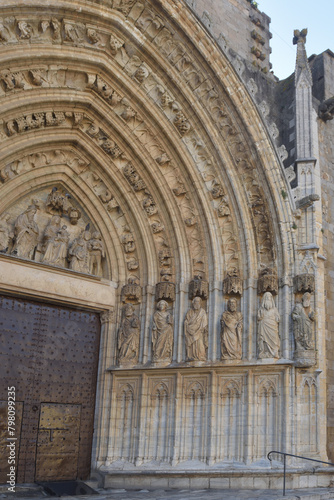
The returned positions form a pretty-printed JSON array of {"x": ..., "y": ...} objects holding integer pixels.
[{"x": 210, "y": 479}]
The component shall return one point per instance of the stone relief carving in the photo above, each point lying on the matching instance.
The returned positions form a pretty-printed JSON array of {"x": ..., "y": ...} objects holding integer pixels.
[
  {"x": 131, "y": 291},
  {"x": 268, "y": 281},
  {"x": 162, "y": 334},
  {"x": 303, "y": 329},
  {"x": 183, "y": 63},
  {"x": 199, "y": 288},
  {"x": 196, "y": 331},
  {"x": 232, "y": 284},
  {"x": 96, "y": 253},
  {"x": 304, "y": 283},
  {"x": 231, "y": 331},
  {"x": 78, "y": 253},
  {"x": 6, "y": 233},
  {"x": 55, "y": 242},
  {"x": 164, "y": 289},
  {"x": 128, "y": 241},
  {"x": 268, "y": 340},
  {"x": 47, "y": 239},
  {"x": 26, "y": 233},
  {"x": 128, "y": 336}
]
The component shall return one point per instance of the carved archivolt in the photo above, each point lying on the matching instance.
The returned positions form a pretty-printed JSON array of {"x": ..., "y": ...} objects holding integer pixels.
[{"x": 212, "y": 101}]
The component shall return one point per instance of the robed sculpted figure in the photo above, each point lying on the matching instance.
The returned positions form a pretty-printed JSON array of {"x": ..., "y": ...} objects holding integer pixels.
[
  {"x": 231, "y": 332},
  {"x": 26, "y": 233},
  {"x": 128, "y": 336},
  {"x": 50, "y": 244},
  {"x": 5, "y": 232},
  {"x": 78, "y": 253},
  {"x": 303, "y": 319},
  {"x": 162, "y": 333},
  {"x": 268, "y": 318},
  {"x": 195, "y": 331}
]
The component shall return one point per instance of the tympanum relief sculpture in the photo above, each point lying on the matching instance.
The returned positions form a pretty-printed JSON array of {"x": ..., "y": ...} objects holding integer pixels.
[
  {"x": 52, "y": 231},
  {"x": 303, "y": 327},
  {"x": 6, "y": 233},
  {"x": 56, "y": 238},
  {"x": 128, "y": 337},
  {"x": 231, "y": 331},
  {"x": 196, "y": 332},
  {"x": 268, "y": 340},
  {"x": 26, "y": 233},
  {"x": 162, "y": 334}
]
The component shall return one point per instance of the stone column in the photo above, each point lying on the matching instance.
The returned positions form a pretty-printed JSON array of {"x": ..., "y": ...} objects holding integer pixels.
[{"x": 103, "y": 390}]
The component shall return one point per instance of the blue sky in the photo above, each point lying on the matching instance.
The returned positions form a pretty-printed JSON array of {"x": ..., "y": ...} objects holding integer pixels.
[{"x": 288, "y": 15}]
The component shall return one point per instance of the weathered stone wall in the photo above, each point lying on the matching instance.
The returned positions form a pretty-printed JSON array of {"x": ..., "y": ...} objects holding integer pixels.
[
  {"x": 239, "y": 25},
  {"x": 326, "y": 132}
]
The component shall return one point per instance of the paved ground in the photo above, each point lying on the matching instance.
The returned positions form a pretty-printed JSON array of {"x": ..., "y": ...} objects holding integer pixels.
[{"x": 122, "y": 494}]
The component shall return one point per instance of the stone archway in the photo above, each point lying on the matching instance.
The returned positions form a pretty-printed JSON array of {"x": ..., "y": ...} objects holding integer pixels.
[{"x": 162, "y": 146}]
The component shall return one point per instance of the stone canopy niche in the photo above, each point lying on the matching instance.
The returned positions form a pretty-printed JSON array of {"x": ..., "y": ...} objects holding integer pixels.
[{"x": 50, "y": 227}]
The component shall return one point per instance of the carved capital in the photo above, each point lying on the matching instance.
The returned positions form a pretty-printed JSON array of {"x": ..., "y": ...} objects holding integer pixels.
[{"x": 107, "y": 316}]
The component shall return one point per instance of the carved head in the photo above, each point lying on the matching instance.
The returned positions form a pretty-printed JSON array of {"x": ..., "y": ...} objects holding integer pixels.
[
  {"x": 197, "y": 302},
  {"x": 232, "y": 305},
  {"x": 306, "y": 300},
  {"x": 55, "y": 220},
  {"x": 128, "y": 310},
  {"x": 268, "y": 301},
  {"x": 96, "y": 235},
  {"x": 162, "y": 305}
]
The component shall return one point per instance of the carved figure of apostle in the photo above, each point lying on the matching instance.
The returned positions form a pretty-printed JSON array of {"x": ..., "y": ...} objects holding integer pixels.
[
  {"x": 26, "y": 233},
  {"x": 5, "y": 233},
  {"x": 303, "y": 319},
  {"x": 162, "y": 333},
  {"x": 79, "y": 255},
  {"x": 128, "y": 336},
  {"x": 195, "y": 331},
  {"x": 96, "y": 253},
  {"x": 231, "y": 332},
  {"x": 268, "y": 318}
]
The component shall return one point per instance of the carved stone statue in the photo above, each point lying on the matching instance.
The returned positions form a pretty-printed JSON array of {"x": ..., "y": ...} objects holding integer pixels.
[
  {"x": 231, "y": 331},
  {"x": 268, "y": 341},
  {"x": 128, "y": 336},
  {"x": 303, "y": 320},
  {"x": 56, "y": 245},
  {"x": 26, "y": 233},
  {"x": 195, "y": 331},
  {"x": 78, "y": 253},
  {"x": 50, "y": 234},
  {"x": 96, "y": 253},
  {"x": 5, "y": 233},
  {"x": 162, "y": 333}
]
